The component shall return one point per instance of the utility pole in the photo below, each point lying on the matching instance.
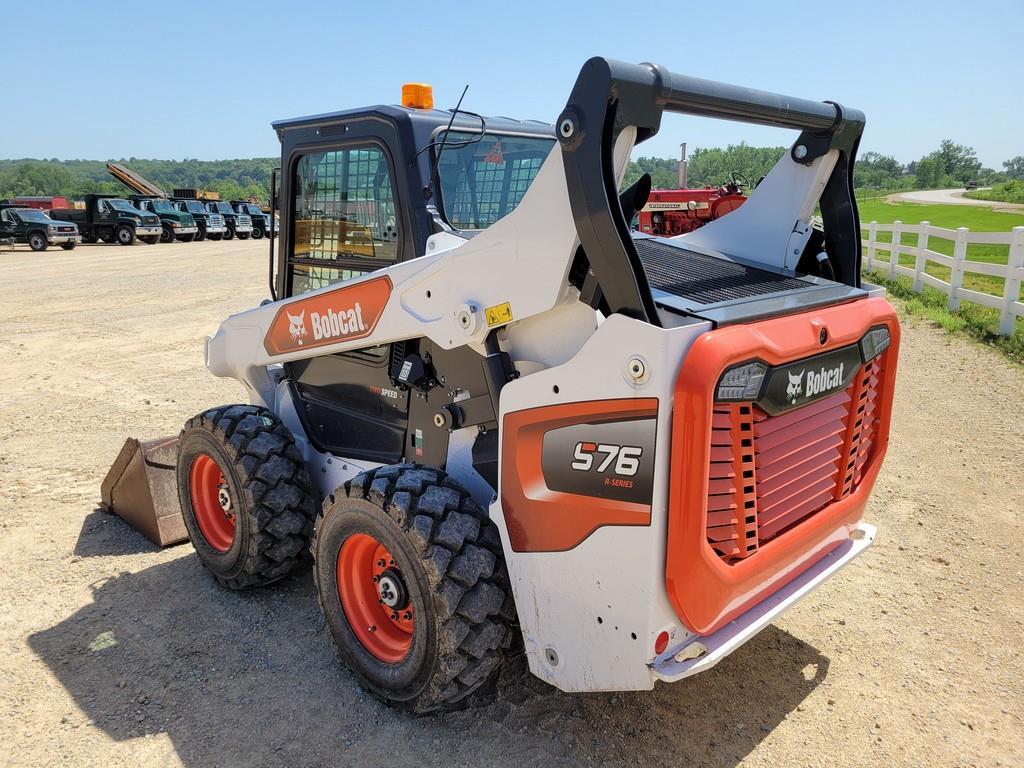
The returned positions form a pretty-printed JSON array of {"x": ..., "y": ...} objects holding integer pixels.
[{"x": 682, "y": 167}]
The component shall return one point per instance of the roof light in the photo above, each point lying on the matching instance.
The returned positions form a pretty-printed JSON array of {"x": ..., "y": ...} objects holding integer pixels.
[
  {"x": 742, "y": 382},
  {"x": 417, "y": 96}
]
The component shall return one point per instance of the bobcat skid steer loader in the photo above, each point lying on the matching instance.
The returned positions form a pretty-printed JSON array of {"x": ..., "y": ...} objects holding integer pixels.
[{"x": 500, "y": 421}]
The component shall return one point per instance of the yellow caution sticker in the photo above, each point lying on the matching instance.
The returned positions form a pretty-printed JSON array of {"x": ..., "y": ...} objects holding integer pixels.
[{"x": 498, "y": 314}]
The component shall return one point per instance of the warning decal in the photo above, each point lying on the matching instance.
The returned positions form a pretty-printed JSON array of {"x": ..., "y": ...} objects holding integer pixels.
[{"x": 498, "y": 314}]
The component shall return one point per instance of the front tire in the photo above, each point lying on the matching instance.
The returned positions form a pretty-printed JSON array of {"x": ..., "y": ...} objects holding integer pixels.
[
  {"x": 166, "y": 234},
  {"x": 150, "y": 239},
  {"x": 68, "y": 246},
  {"x": 257, "y": 233},
  {"x": 245, "y": 495},
  {"x": 37, "y": 241},
  {"x": 229, "y": 233},
  {"x": 187, "y": 238},
  {"x": 243, "y": 235},
  {"x": 412, "y": 582},
  {"x": 125, "y": 235},
  {"x": 200, "y": 233}
]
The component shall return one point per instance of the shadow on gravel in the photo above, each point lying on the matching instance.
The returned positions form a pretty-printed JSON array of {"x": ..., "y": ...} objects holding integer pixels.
[
  {"x": 104, "y": 533},
  {"x": 252, "y": 678}
]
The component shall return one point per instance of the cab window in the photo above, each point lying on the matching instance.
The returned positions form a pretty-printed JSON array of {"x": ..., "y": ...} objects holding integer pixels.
[
  {"x": 484, "y": 176},
  {"x": 346, "y": 221}
]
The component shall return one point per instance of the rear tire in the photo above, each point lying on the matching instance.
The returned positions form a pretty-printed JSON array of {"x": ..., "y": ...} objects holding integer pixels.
[
  {"x": 124, "y": 235},
  {"x": 446, "y": 558},
  {"x": 245, "y": 495},
  {"x": 37, "y": 241}
]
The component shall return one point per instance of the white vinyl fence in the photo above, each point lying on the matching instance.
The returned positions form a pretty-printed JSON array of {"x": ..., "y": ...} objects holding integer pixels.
[{"x": 1009, "y": 304}]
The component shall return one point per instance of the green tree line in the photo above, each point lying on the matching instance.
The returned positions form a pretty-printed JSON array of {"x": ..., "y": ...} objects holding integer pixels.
[
  {"x": 233, "y": 179},
  {"x": 951, "y": 165}
]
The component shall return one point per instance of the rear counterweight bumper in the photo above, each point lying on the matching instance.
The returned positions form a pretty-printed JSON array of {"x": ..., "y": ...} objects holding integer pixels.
[{"x": 700, "y": 654}]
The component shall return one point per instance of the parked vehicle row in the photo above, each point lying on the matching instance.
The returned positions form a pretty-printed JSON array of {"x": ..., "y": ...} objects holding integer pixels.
[{"x": 123, "y": 220}]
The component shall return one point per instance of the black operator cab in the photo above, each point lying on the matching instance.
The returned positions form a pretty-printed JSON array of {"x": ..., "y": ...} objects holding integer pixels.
[{"x": 363, "y": 189}]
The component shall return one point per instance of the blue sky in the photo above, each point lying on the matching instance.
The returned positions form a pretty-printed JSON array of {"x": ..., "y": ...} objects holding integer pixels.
[{"x": 108, "y": 80}]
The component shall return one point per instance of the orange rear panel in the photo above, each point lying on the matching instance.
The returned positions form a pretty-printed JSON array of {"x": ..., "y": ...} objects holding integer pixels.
[{"x": 746, "y": 516}]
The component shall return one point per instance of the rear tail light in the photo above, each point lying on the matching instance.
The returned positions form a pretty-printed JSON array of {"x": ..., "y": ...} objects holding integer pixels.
[
  {"x": 742, "y": 382},
  {"x": 660, "y": 643},
  {"x": 874, "y": 343}
]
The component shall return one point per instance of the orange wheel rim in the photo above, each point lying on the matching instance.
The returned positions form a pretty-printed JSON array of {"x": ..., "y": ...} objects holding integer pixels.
[
  {"x": 375, "y": 598},
  {"x": 211, "y": 502}
]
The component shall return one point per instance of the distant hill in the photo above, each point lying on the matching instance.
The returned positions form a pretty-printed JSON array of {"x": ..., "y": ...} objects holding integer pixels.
[
  {"x": 233, "y": 179},
  {"x": 950, "y": 165}
]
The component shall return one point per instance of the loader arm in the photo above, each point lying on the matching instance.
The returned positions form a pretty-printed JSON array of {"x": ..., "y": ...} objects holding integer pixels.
[{"x": 610, "y": 96}]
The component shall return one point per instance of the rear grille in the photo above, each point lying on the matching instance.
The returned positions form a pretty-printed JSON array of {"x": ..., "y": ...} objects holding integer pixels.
[
  {"x": 706, "y": 279},
  {"x": 769, "y": 473}
]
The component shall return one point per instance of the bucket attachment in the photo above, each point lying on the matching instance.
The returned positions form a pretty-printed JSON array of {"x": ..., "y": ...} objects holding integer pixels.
[{"x": 141, "y": 488}]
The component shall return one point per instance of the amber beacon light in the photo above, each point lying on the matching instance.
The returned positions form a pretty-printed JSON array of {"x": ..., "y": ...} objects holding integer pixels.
[{"x": 417, "y": 96}]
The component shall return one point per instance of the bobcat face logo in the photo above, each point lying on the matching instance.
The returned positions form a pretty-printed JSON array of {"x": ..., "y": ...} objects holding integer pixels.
[
  {"x": 297, "y": 326},
  {"x": 795, "y": 387}
]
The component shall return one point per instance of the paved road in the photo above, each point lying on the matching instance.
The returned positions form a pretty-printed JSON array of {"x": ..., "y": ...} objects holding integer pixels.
[{"x": 948, "y": 197}]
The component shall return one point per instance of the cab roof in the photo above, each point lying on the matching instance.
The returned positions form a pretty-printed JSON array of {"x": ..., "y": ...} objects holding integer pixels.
[{"x": 423, "y": 122}]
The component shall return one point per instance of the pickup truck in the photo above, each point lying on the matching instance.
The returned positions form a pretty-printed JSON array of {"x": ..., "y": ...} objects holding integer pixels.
[
  {"x": 111, "y": 219},
  {"x": 260, "y": 220},
  {"x": 30, "y": 225},
  {"x": 209, "y": 225},
  {"x": 239, "y": 224},
  {"x": 176, "y": 225}
]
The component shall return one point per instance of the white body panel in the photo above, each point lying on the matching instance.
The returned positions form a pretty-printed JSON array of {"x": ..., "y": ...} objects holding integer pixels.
[{"x": 617, "y": 573}]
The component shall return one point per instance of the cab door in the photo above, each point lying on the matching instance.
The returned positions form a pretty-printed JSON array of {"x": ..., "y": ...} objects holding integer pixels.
[
  {"x": 344, "y": 219},
  {"x": 105, "y": 214},
  {"x": 8, "y": 227}
]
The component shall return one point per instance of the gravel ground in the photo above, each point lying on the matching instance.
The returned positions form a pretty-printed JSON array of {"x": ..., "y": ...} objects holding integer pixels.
[{"x": 115, "y": 653}]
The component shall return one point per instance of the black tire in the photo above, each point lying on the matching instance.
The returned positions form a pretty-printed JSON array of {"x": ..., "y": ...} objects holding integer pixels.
[
  {"x": 216, "y": 236},
  {"x": 257, "y": 233},
  {"x": 37, "y": 241},
  {"x": 124, "y": 235},
  {"x": 229, "y": 233},
  {"x": 200, "y": 232},
  {"x": 89, "y": 239},
  {"x": 243, "y": 235},
  {"x": 454, "y": 577},
  {"x": 150, "y": 239},
  {"x": 269, "y": 491},
  {"x": 166, "y": 233},
  {"x": 187, "y": 238},
  {"x": 68, "y": 246}
]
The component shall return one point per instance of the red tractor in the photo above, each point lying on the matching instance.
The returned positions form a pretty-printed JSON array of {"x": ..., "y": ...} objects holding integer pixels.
[{"x": 671, "y": 212}]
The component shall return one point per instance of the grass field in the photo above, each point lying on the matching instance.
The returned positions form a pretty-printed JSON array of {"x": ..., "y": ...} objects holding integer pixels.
[{"x": 980, "y": 322}]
